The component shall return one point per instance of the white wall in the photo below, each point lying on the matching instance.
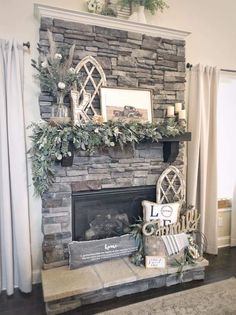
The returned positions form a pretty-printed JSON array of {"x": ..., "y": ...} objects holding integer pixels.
[
  {"x": 226, "y": 114},
  {"x": 213, "y": 27},
  {"x": 212, "y": 42}
]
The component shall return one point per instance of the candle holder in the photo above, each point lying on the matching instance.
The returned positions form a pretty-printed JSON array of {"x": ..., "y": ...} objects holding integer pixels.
[
  {"x": 178, "y": 117},
  {"x": 182, "y": 122},
  {"x": 170, "y": 112},
  {"x": 178, "y": 108},
  {"x": 182, "y": 114},
  {"x": 170, "y": 116}
]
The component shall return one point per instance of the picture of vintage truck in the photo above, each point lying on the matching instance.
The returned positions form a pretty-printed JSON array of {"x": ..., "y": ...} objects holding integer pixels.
[{"x": 128, "y": 112}]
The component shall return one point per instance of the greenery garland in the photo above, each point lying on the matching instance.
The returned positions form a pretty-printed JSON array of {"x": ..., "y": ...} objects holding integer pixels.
[
  {"x": 51, "y": 142},
  {"x": 151, "y": 5}
]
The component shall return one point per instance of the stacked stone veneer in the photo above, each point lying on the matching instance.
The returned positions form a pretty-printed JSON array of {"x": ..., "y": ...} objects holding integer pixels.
[
  {"x": 108, "y": 169},
  {"x": 128, "y": 60}
]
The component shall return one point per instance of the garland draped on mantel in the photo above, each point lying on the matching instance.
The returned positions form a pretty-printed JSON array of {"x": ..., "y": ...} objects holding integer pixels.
[{"x": 51, "y": 142}]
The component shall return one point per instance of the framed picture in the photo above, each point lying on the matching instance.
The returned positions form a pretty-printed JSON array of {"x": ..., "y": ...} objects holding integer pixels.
[{"x": 126, "y": 104}]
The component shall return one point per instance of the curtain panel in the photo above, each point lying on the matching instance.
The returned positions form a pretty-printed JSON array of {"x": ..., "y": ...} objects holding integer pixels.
[
  {"x": 202, "y": 157},
  {"x": 15, "y": 258},
  {"x": 233, "y": 220}
]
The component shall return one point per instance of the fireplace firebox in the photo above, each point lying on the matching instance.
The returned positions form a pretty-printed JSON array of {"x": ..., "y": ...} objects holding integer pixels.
[{"x": 107, "y": 212}]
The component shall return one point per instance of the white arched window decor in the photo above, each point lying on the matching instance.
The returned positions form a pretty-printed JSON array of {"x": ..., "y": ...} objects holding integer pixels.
[
  {"x": 170, "y": 186},
  {"x": 92, "y": 78}
]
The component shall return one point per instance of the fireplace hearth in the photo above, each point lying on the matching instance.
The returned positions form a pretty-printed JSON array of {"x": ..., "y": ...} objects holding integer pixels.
[{"x": 107, "y": 212}]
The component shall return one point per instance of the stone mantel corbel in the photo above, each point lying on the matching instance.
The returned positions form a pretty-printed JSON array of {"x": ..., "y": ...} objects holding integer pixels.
[{"x": 106, "y": 21}]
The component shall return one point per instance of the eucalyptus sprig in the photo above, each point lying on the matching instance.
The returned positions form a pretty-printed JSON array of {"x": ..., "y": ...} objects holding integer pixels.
[
  {"x": 136, "y": 232},
  {"x": 170, "y": 127},
  {"x": 190, "y": 257},
  {"x": 56, "y": 73},
  {"x": 51, "y": 143}
]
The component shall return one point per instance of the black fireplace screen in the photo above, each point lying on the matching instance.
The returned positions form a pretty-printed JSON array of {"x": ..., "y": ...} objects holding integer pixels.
[{"x": 108, "y": 212}]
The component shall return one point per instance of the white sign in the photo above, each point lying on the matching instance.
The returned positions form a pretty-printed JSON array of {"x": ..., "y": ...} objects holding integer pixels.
[
  {"x": 166, "y": 213},
  {"x": 155, "y": 262}
]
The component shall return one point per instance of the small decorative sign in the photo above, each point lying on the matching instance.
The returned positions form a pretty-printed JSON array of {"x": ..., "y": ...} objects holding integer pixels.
[{"x": 155, "y": 262}]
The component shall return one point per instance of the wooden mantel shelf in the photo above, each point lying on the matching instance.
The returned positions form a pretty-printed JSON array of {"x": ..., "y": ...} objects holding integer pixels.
[
  {"x": 170, "y": 149},
  {"x": 42, "y": 10},
  {"x": 184, "y": 137}
]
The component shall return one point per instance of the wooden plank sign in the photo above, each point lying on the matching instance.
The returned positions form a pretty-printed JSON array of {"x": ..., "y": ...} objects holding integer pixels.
[
  {"x": 89, "y": 252},
  {"x": 187, "y": 223},
  {"x": 155, "y": 262}
]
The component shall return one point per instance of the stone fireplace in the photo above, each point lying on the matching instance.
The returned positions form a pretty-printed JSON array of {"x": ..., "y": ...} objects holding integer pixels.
[
  {"x": 129, "y": 59},
  {"x": 101, "y": 194},
  {"x": 124, "y": 172}
]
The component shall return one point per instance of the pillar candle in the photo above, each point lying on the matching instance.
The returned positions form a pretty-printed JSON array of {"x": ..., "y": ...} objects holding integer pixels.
[
  {"x": 182, "y": 114},
  {"x": 178, "y": 107},
  {"x": 170, "y": 111}
]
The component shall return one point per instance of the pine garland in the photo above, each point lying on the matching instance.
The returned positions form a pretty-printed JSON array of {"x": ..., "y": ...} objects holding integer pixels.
[{"x": 51, "y": 143}]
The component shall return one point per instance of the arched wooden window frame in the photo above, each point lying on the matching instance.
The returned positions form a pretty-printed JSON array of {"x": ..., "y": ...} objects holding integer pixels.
[
  {"x": 176, "y": 186},
  {"x": 82, "y": 67}
]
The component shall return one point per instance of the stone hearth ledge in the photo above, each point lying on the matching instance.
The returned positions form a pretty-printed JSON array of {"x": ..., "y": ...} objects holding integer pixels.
[{"x": 66, "y": 289}]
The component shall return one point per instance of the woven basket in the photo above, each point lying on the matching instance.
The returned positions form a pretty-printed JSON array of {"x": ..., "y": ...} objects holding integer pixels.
[
  {"x": 154, "y": 246},
  {"x": 123, "y": 12}
]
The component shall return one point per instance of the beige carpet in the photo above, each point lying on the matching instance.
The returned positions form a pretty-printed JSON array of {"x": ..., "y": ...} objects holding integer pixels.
[{"x": 218, "y": 298}]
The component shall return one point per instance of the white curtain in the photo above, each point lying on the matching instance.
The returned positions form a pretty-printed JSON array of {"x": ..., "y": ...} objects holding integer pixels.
[
  {"x": 233, "y": 220},
  {"x": 202, "y": 160},
  {"x": 15, "y": 258}
]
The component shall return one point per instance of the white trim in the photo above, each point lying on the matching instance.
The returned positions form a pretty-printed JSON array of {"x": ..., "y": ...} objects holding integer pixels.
[
  {"x": 223, "y": 241},
  {"x": 222, "y": 246},
  {"x": 41, "y": 10},
  {"x": 36, "y": 276},
  {"x": 224, "y": 210},
  {"x": 232, "y": 242}
]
